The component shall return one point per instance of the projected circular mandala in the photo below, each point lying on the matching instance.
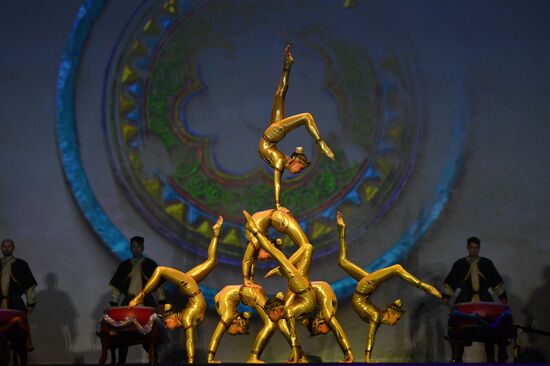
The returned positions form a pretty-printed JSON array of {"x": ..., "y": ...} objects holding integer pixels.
[
  {"x": 183, "y": 110},
  {"x": 172, "y": 166}
]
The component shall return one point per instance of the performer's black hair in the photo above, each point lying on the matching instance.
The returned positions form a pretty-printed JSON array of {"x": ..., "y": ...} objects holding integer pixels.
[
  {"x": 473, "y": 239},
  {"x": 138, "y": 240}
]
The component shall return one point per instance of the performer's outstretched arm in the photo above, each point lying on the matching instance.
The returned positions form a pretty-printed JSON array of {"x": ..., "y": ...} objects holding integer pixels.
[
  {"x": 202, "y": 270},
  {"x": 352, "y": 269},
  {"x": 341, "y": 338},
  {"x": 263, "y": 336},
  {"x": 373, "y": 328},
  {"x": 277, "y": 176},
  {"x": 215, "y": 341}
]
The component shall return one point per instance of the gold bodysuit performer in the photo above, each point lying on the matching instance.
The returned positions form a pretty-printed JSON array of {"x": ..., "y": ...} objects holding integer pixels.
[
  {"x": 284, "y": 223},
  {"x": 302, "y": 302},
  {"x": 325, "y": 318},
  {"x": 187, "y": 282},
  {"x": 227, "y": 301},
  {"x": 278, "y": 128},
  {"x": 367, "y": 285}
]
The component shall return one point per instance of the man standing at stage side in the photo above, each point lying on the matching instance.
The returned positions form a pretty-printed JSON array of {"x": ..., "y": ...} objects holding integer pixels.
[
  {"x": 132, "y": 274},
  {"x": 474, "y": 276},
  {"x": 129, "y": 279},
  {"x": 16, "y": 279}
]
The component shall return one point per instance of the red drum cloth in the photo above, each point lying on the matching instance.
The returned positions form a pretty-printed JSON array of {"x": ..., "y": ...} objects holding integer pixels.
[
  {"x": 122, "y": 326},
  {"x": 480, "y": 321},
  {"x": 122, "y": 313},
  {"x": 485, "y": 309},
  {"x": 141, "y": 318},
  {"x": 11, "y": 326},
  {"x": 7, "y": 314}
]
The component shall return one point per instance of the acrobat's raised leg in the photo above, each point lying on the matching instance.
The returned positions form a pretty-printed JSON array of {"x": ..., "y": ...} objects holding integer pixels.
[
  {"x": 278, "y": 130},
  {"x": 343, "y": 261},
  {"x": 202, "y": 270},
  {"x": 301, "y": 259},
  {"x": 384, "y": 274},
  {"x": 159, "y": 274},
  {"x": 278, "y": 110}
]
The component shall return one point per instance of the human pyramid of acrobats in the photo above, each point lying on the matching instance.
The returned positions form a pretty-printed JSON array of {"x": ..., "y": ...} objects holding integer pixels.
[{"x": 313, "y": 303}]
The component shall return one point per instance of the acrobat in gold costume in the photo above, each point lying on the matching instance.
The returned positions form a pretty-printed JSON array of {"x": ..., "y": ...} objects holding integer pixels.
[
  {"x": 324, "y": 319},
  {"x": 187, "y": 282},
  {"x": 283, "y": 222},
  {"x": 302, "y": 301},
  {"x": 227, "y": 301},
  {"x": 327, "y": 303},
  {"x": 367, "y": 285},
  {"x": 279, "y": 127}
]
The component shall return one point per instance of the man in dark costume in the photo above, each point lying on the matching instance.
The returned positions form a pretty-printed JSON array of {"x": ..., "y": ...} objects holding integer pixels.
[
  {"x": 474, "y": 276},
  {"x": 16, "y": 279},
  {"x": 130, "y": 278},
  {"x": 132, "y": 274}
]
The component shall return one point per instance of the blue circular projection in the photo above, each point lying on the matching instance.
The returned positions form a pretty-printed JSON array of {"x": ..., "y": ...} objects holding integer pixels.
[{"x": 160, "y": 74}]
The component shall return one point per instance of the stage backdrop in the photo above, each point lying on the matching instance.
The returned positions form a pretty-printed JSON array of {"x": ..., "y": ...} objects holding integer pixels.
[{"x": 124, "y": 118}]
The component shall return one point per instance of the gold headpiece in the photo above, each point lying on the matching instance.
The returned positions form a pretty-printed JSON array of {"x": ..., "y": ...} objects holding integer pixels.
[
  {"x": 244, "y": 319},
  {"x": 275, "y": 302},
  {"x": 397, "y": 306},
  {"x": 299, "y": 154},
  {"x": 168, "y": 311}
]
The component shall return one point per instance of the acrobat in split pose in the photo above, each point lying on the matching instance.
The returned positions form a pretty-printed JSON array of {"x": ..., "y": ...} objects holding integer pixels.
[
  {"x": 187, "y": 282},
  {"x": 279, "y": 127},
  {"x": 367, "y": 285},
  {"x": 301, "y": 302}
]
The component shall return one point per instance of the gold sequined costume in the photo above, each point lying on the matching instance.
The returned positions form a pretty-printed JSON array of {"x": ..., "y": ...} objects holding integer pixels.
[
  {"x": 302, "y": 302},
  {"x": 326, "y": 306},
  {"x": 227, "y": 301},
  {"x": 187, "y": 282},
  {"x": 284, "y": 223},
  {"x": 280, "y": 126},
  {"x": 367, "y": 285}
]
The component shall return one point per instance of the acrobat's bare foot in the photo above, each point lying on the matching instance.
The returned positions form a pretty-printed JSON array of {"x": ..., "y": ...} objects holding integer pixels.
[
  {"x": 282, "y": 210},
  {"x": 297, "y": 356},
  {"x": 429, "y": 289},
  {"x": 348, "y": 358},
  {"x": 340, "y": 223},
  {"x": 253, "y": 284},
  {"x": 217, "y": 228},
  {"x": 301, "y": 359},
  {"x": 274, "y": 272},
  {"x": 288, "y": 60},
  {"x": 137, "y": 300},
  {"x": 254, "y": 359},
  {"x": 325, "y": 150}
]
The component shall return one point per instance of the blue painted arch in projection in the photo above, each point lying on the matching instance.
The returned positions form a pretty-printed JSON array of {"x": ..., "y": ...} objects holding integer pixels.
[{"x": 66, "y": 128}]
